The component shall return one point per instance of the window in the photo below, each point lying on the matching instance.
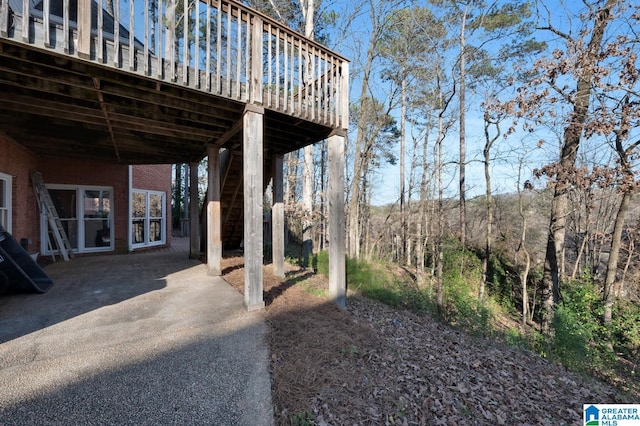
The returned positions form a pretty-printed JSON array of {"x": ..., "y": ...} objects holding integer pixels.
[
  {"x": 5, "y": 201},
  {"x": 148, "y": 218},
  {"x": 86, "y": 214}
]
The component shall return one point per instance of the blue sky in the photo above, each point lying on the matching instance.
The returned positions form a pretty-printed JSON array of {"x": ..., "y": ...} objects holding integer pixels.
[{"x": 508, "y": 152}]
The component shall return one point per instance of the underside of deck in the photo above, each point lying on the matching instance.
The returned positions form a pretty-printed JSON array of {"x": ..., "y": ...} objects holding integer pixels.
[{"x": 64, "y": 106}]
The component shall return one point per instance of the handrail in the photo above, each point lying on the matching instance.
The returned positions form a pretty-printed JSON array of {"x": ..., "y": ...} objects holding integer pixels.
[{"x": 218, "y": 46}]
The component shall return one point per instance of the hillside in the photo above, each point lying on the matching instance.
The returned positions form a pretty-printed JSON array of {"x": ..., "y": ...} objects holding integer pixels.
[{"x": 372, "y": 364}]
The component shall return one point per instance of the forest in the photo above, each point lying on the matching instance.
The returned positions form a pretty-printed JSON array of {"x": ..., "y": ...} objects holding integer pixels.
[{"x": 492, "y": 159}]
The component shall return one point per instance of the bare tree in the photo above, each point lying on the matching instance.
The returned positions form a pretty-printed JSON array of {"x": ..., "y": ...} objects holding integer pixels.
[{"x": 579, "y": 60}]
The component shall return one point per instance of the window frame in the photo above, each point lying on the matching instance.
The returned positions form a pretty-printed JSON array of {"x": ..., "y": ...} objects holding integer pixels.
[{"x": 7, "y": 201}]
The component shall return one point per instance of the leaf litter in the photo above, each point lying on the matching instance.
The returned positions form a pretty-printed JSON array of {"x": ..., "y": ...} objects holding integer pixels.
[{"x": 373, "y": 364}]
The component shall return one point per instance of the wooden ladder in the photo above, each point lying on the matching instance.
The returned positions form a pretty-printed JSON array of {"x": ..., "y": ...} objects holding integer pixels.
[{"x": 48, "y": 208}]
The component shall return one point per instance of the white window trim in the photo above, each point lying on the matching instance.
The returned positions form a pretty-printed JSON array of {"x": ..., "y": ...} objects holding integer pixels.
[
  {"x": 147, "y": 243},
  {"x": 8, "y": 210},
  {"x": 44, "y": 224}
]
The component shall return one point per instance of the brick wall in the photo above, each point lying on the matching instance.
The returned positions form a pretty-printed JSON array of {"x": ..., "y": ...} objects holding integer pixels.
[
  {"x": 156, "y": 177},
  {"x": 17, "y": 162}
]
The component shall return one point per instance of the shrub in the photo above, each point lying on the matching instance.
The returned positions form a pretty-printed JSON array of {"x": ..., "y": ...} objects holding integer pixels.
[{"x": 578, "y": 335}]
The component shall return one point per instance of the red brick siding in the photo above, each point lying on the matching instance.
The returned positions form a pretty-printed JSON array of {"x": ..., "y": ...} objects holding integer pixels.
[
  {"x": 153, "y": 177},
  {"x": 17, "y": 162}
]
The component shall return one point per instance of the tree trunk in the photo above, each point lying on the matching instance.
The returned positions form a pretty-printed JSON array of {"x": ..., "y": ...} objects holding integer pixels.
[
  {"x": 353, "y": 247},
  {"x": 463, "y": 143},
  {"x": 609, "y": 294},
  {"x": 403, "y": 255},
  {"x": 292, "y": 180},
  {"x": 422, "y": 216},
  {"x": 571, "y": 141},
  {"x": 308, "y": 9},
  {"x": 489, "y": 141}
]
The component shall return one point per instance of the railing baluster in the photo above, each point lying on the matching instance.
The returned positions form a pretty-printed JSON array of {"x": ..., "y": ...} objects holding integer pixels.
[
  {"x": 146, "y": 37},
  {"x": 269, "y": 58},
  {"x": 219, "y": 50},
  {"x": 286, "y": 73},
  {"x": 277, "y": 68},
  {"x": 207, "y": 70},
  {"x": 170, "y": 41},
  {"x": 238, "y": 54},
  {"x": 333, "y": 91},
  {"x": 228, "y": 48},
  {"x": 247, "y": 57},
  {"x": 302, "y": 92},
  {"x": 293, "y": 75},
  {"x": 313, "y": 83},
  {"x": 159, "y": 34},
  {"x": 100, "y": 40},
  {"x": 4, "y": 18},
  {"x": 132, "y": 46},
  {"x": 185, "y": 42},
  {"x": 26, "y": 15},
  {"x": 116, "y": 33},
  {"x": 65, "y": 26},
  {"x": 325, "y": 86},
  {"x": 46, "y": 8},
  {"x": 196, "y": 48},
  {"x": 83, "y": 19}
]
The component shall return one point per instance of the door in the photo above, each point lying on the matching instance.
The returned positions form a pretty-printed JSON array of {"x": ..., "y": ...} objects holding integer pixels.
[
  {"x": 86, "y": 214},
  {"x": 148, "y": 218}
]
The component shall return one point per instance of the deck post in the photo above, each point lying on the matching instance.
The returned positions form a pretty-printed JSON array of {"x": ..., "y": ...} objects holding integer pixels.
[
  {"x": 194, "y": 220},
  {"x": 214, "y": 234},
  {"x": 253, "y": 159},
  {"x": 337, "y": 271},
  {"x": 277, "y": 218}
]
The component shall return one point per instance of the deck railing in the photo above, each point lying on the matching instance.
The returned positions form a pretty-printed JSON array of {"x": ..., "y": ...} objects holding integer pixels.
[{"x": 219, "y": 46}]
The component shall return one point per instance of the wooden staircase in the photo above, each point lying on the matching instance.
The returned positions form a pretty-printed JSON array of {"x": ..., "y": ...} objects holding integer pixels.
[{"x": 231, "y": 200}]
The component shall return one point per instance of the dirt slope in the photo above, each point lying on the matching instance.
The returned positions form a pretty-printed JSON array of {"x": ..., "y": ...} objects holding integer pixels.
[{"x": 372, "y": 364}]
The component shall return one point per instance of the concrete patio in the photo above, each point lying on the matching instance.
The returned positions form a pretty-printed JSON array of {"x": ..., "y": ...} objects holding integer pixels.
[{"x": 145, "y": 338}]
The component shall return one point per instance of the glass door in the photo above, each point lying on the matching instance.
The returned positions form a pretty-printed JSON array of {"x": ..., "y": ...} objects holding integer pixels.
[
  {"x": 86, "y": 216},
  {"x": 148, "y": 218},
  {"x": 64, "y": 201},
  {"x": 96, "y": 218}
]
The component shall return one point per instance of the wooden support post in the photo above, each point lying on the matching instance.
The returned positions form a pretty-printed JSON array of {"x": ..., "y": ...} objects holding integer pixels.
[
  {"x": 337, "y": 271},
  {"x": 277, "y": 218},
  {"x": 214, "y": 234},
  {"x": 194, "y": 217},
  {"x": 253, "y": 159}
]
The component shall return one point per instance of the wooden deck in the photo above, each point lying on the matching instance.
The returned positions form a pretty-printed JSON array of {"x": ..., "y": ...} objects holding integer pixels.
[{"x": 146, "y": 83}]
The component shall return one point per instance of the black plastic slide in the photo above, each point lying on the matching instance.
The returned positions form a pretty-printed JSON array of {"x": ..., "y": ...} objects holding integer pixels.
[{"x": 19, "y": 273}]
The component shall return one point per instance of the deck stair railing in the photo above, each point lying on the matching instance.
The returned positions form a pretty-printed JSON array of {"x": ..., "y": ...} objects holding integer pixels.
[{"x": 217, "y": 46}]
